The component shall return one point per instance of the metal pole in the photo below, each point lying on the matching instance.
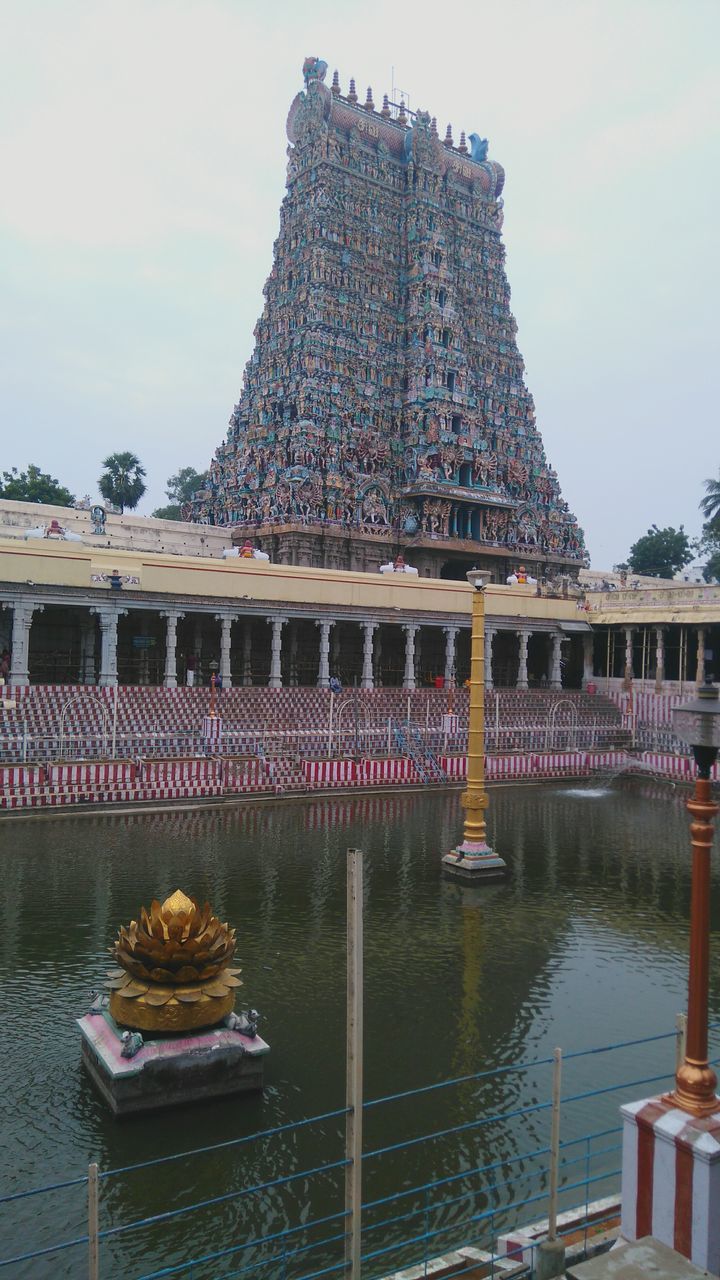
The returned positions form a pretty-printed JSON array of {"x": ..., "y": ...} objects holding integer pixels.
[
  {"x": 330, "y": 722},
  {"x": 25, "y": 741},
  {"x": 114, "y": 723},
  {"x": 555, "y": 1144},
  {"x": 389, "y": 731},
  {"x": 93, "y": 1243},
  {"x": 354, "y": 1081}
]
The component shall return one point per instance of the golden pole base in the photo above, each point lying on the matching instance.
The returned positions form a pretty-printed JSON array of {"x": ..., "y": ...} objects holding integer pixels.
[{"x": 695, "y": 1085}]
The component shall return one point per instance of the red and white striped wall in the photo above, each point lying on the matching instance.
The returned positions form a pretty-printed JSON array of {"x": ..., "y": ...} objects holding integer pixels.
[
  {"x": 91, "y": 772},
  {"x": 671, "y": 1179},
  {"x": 387, "y": 770},
  {"x": 330, "y": 773}
]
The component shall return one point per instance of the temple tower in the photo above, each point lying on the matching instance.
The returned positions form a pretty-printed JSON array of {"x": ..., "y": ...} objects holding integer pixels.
[{"x": 384, "y": 406}]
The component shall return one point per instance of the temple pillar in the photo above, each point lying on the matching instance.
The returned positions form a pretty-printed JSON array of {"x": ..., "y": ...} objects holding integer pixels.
[
  {"x": 700, "y": 666},
  {"x": 410, "y": 629},
  {"x": 659, "y": 659},
  {"x": 197, "y": 647},
  {"x": 323, "y": 679},
  {"x": 293, "y": 672},
  {"x": 490, "y": 633},
  {"x": 367, "y": 681},
  {"x": 108, "y": 617},
  {"x": 555, "y": 673},
  {"x": 450, "y": 634},
  {"x": 87, "y": 651},
  {"x": 627, "y": 682},
  {"x": 522, "y": 677},
  {"x": 172, "y": 617},
  {"x": 277, "y": 625},
  {"x": 23, "y": 612},
  {"x": 226, "y": 620},
  {"x": 377, "y": 659},
  {"x": 247, "y": 654},
  {"x": 588, "y": 659}
]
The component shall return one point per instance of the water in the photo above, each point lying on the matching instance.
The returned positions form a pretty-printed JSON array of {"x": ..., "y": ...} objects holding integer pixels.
[{"x": 584, "y": 944}]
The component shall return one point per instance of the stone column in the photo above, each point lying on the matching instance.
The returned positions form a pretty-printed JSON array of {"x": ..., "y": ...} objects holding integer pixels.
[
  {"x": 555, "y": 668},
  {"x": 588, "y": 659},
  {"x": 324, "y": 666},
  {"x": 247, "y": 653},
  {"x": 277, "y": 625},
  {"x": 367, "y": 681},
  {"x": 172, "y": 617},
  {"x": 700, "y": 668},
  {"x": 109, "y": 617},
  {"x": 293, "y": 629},
  {"x": 87, "y": 651},
  {"x": 490, "y": 633},
  {"x": 628, "y": 658},
  {"x": 450, "y": 634},
  {"x": 522, "y": 678},
  {"x": 410, "y": 629},
  {"x": 197, "y": 647},
  {"x": 226, "y": 620},
  {"x": 659, "y": 659},
  {"x": 377, "y": 659},
  {"x": 23, "y": 611}
]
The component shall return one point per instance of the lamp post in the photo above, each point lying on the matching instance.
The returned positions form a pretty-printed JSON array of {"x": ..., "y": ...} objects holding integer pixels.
[
  {"x": 214, "y": 667},
  {"x": 698, "y": 724},
  {"x": 474, "y": 860}
]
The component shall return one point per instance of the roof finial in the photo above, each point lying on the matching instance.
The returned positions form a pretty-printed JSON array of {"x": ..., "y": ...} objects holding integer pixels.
[
  {"x": 433, "y": 127},
  {"x": 335, "y": 87},
  {"x": 463, "y": 144},
  {"x": 352, "y": 94},
  {"x": 369, "y": 104},
  {"x": 385, "y": 113},
  {"x": 401, "y": 117},
  {"x": 448, "y": 141}
]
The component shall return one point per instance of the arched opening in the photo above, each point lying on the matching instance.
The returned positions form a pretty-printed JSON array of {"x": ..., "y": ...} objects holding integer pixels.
[{"x": 466, "y": 475}]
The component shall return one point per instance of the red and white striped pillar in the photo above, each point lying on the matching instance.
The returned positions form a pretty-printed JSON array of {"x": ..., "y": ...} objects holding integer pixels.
[{"x": 671, "y": 1179}]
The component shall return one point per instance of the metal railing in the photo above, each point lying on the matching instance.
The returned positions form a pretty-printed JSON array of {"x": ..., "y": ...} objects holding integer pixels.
[
  {"x": 366, "y": 739},
  {"x": 485, "y": 1169}
]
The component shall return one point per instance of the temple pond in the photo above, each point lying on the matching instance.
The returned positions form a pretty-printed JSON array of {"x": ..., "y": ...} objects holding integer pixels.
[{"x": 585, "y": 944}]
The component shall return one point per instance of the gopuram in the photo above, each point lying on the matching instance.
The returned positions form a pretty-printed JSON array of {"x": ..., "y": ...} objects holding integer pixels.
[{"x": 384, "y": 406}]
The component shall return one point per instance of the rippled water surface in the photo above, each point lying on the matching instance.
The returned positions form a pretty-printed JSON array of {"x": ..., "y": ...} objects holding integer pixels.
[{"x": 583, "y": 945}]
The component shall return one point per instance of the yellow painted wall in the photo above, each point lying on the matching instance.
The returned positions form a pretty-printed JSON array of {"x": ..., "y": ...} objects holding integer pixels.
[{"x": 73, "y": 565}]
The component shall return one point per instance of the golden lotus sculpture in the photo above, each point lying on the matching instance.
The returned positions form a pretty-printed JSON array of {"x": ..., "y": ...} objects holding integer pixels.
[{"x": 174, "y": 974}]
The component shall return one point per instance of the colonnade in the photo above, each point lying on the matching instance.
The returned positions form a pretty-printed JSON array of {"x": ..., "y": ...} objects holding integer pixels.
[{"x": 102, "y": 620}]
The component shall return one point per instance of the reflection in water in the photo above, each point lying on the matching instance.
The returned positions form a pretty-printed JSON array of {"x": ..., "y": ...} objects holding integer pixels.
[{"x": 584, "y": 944}]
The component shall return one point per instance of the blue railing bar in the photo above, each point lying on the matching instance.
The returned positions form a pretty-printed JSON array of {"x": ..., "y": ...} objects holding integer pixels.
[
  {"x": 38, "y": 1191},
  {"x": 447, "y": 1084},
  {"x": 42, "y": 1253},
  {"x": 600, "y": 1133},
  {"x": 313, "y": 1275},
  {"x": 283, "y": 1257},
  {"x": 613, "y": 1088},
  {"x": 520, "y": 1066},
  {"x": 454, "y": 1177},
  {"x": 222, "y": 1199},
  {"x": 250, "y": 1244},
  {"x": 601, "y": 1151},
  {"x": 219, "y": 1146},
  {"x": 459, "y": 1128}
]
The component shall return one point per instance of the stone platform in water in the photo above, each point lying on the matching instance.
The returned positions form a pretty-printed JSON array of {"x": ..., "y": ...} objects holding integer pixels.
[{"x": 169, "y": 1071}]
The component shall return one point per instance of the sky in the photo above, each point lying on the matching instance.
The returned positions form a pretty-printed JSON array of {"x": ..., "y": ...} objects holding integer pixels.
[{"x": 142, "y": 161}]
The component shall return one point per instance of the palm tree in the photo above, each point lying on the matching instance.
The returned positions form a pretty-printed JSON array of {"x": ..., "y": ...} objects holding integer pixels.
[
  {"x": 122, "y": 480},
  {"x": 710, "y": 505}
]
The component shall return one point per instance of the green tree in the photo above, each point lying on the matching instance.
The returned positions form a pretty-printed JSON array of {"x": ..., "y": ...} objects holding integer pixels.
[
  {"x": 34, "y": 485},
  {"x": 180, "y": 489},
  {"x": 710, "y": 505},
  {"x": 661, "y": 553},
  {"x": 122, "y": 481}
]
